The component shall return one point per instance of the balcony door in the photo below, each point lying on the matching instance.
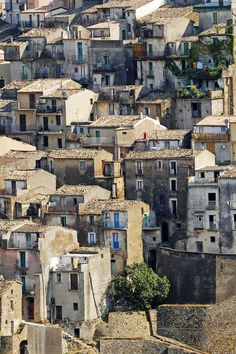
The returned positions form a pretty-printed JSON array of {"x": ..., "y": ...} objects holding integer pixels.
[
  {"x": 116, "y": 220},
  {"x": 45, "y": 123},
  {"x": 22, "y": 122}
]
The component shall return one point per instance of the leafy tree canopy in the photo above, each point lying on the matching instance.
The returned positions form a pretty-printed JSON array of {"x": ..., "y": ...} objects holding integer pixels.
[{"x": 138, "y": 287}]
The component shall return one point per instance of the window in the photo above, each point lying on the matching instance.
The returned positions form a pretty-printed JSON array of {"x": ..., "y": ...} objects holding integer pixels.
[
  {"x": 58, "y": 277},
  {"x": 63, "y": 221},
  {"x": 159, "y": 165},
  {"x": 162, "y": 200},
  {"x": 150, "y": 68},
  {"x": 198, "y": 221},
  {"x": 11, "y": 304},
  {"x": 74, "y": 281},
  {"x": 22, "y": 122},
  {"x": 22, "y": 259},
  {"x": 91, "y": 238},
  {"x": 107, "y": 215},
  {"x": 76, "y": 70},
  {"x": 45, "y": 141},
  {"x": 214, "y": 18},
  {"x": 212, "y": 222},
  {"x": 154, "y": 239},
  {"x": 173, "y": 184},
  {"x": 32, "y": 101},
  {"x": 91, "y": 101},
  {"x": 150, "y": 50},
  {"x": 82, "y": 165},
  {"x": 211, "y": 200},
  {"x": 173, "y": 207},
  {"x": 91, "y": 219},
  {"x": 202, "y": 175},
  {"x": 146, "y": 111},
  {"x": 199, "y": 246},
  {"x": 115, "y": 240},
  {"x": 173, "y": 167},
  {"x": 234, "y": 221},
  {"x": 58, "y": 120},
  {"x": 196, "y": 109},
  {"x": 139, "y": 185},
  {"x": 58, "y": 313},
  {"x": 139, "y": 167},
  {"x": 75, "y": 306},
  {"x": 59, "y": 143},
  {"x": 213, "y": 239}
]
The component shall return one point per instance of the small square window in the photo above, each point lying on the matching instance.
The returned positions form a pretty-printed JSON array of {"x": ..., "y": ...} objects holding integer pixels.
[
  {"x": 213, "y": 239},
  {"x": 75, "y": 306},
  {"x": 154, "y": 239},
  {"x": 76, "y": 70},
  {"x": 159, "y": 165}
]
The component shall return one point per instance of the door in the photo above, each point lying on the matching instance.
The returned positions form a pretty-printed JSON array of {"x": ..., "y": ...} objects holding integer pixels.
[
  {"x": 74, "y": 281},
  {"x": 80, "y": 52},
  {"x": 115, "y": 240},
  {"x": 98, "y": 135},
  {"x": 116, "y": 220},
  {"x": 22, "y": 122},
  {"x": 22, "y": 260},
  {"x": 32, "y": 101},
  {"x": 164, "y": 232},
  {"x": 38, "y": 21},
  {"x": 152, "y": 259},
  {"x": 58, "y": 313},
  {"x": 30, "y": 309},
  {"x": 113, "y": 267},
  {"x": 13, "y": 187},
  {"x": 45, "y": 123},
  {"x": 54, "y": 106},
  {"x": 186, "y": 49}
]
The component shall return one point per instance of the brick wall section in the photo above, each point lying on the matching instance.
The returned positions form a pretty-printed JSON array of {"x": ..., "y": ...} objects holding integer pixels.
[{"x": 207, "y": 327}]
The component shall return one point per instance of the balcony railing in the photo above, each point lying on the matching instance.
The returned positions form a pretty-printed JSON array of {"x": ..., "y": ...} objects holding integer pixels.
[
  {"x": 108, "y": 224},
  {"x": 77, "y": 59},
  {"x": 103, "y": 67},
  {"x": 210, "y": 137},
  {"x": 62, "y": 209},
  {"x": 211, "y": 205},
  {"x": 93, "y": 141},
  {"x": 7, "y": 193},
  {"x": 212, "y": 226},
  {"x": 46, "y": 108}
]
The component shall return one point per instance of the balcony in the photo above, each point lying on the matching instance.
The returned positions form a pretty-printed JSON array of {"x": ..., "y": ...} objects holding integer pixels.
[
  {"x": 212, "y": 226},
  {"x": 46, "y": 108},
  {"x": 150, "y": 75},
  {"x": 93, "y": 141},
  {"x": 211, "y": 205},
  {"x": 108, "y": 224},
  {"x": 5, "y": 192},
  {"x": 194, "y": 182},
  {"x": 77, "y": 59},
  {"x": 58, "y": 209},
  {"x": 99, "y": 67},
  {"x": 208, "y": 137}
]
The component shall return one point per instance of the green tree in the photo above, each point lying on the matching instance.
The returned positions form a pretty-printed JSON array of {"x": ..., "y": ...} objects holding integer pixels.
[{"x": 138, "y": 287}]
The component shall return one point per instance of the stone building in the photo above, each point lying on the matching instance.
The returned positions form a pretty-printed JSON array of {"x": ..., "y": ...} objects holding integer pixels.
[
  {"x": 159, "y": 178},
  {"x": 78, "y": 166},
  {"x": 63, "y": 207},
  {"x": 26, "y": 254},
  {"x": 213, "y": 133},
  {"x": 11, "y": 306},
  {"x": 19, "y": 186},
  {"x": 88, "y": 273},
  {"x": 117, "y": 225},
  {"x": 117, "y": 134}
]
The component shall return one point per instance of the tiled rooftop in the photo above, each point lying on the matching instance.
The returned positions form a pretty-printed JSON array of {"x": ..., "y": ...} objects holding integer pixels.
[
  {"x": 161, "y": 154},
  {"x": 230, "y": 172},
  {"x": 220, "y": 29},
  {"x": 84, "y": 154},
  {"x": 156, "y": 96},
  {"x": 6, "y": 225},
  {"x": 46, "y": 85},
  {"x": 39, "y": 32},
  {"x": 175, "y": 134},
  {"x": 15, "y": 155},
  {"x": 77, "y": 190},
  {"x": 17, "y": 85},
  {"x": 216, "y": 120},
  {"x": 115, "y": 121},
  {"x": 130, "y": 4},
  {"x": 165, "y": 15},
  {"x": 42, "y": 9},
  {"x": 96, "y": 206},
  {"x": 20, "y": 175}
]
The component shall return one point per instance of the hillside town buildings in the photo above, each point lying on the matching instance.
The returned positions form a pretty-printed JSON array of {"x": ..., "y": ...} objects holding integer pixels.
[{"x": 117, "y": 147}]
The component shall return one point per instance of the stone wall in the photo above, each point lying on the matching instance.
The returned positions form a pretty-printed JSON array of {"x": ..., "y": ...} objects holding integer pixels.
[
  {"x": 149, "y": 345},
  {"x": 207, "y": 327},
  {"x": 197, "y": 278}
]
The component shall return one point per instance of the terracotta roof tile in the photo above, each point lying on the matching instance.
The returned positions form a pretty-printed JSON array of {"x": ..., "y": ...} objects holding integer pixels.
[{"x": 81, "y": 154}]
